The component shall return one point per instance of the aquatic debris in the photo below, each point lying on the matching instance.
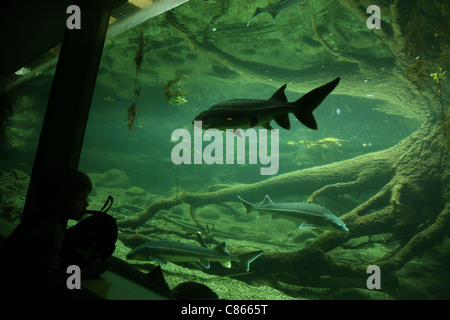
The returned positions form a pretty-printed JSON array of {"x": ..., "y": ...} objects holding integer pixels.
[
  {"x": 305, "y": 215},
  {"x": 173, "y": 91},
  {"x": 140, "y": 52},
  {"x": 163, "y": 251},
  {"x": 324, "y": 143},
  {"x": 131, "y": 115},
  {"x": 132, "y": 109},
  {"x": 137, "y": 92},
  {"x": 249, "y": 113}
]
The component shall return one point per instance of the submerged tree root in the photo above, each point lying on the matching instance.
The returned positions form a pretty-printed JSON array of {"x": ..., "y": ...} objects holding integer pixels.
[
  {"x": 301, "y": 182},
  {"x": 412, "y": 183},
  {"x": 420, "y": 242}
]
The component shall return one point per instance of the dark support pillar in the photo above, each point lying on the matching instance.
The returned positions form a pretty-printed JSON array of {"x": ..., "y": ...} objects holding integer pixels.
[{"x": 67, "y": 112}]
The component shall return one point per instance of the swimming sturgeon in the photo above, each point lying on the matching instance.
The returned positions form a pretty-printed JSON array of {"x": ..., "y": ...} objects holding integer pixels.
[
  {"x": 305, "y": 215},
  {"x": 274, "y": 9},
  {"x": 249, "y": 113},
  {"x": 163, "y": 251}
]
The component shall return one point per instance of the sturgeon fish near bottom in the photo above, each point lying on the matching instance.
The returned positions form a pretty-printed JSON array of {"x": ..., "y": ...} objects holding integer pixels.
[
  {"x": 305, "y": 215},
  {"x": 249, "y": 113},
  {"x": 163, "y": 251}
]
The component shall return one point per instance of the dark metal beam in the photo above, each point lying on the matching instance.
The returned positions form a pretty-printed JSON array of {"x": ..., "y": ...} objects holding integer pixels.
[{"x": 67, "y": 112}]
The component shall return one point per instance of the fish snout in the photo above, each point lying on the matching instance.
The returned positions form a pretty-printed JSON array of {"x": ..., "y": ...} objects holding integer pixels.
[
  {"x": 207, "y": 124},
  {"x": 337, "y": 225},
  {"x": 203, "y": 121},
  {"x": 342, "y": 227}
]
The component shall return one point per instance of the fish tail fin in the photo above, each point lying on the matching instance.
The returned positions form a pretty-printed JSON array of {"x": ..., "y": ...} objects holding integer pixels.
[
  {"x": 247, "y": 205},
  {"x": 258, "y": 11},
  {"x": 273, "y": 13},
  {"x": 246, "y": 258},
  {"x": 305, "y": 106}
]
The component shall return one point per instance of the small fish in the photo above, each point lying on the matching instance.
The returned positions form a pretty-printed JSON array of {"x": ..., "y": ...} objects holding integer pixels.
[
  {"x": 338, "y": 111},
  {"x": 109, "y": 99},
  {"x": 323, "y": 143},
  {"x": 249, "y": 113},
  {"x": 275, "y": 9},
  {"x": 305, "y": 215},
  {"x": 163, "y": 251},
  {"x": 23, "y": 71},
  {"x": 367, "y": 145}
]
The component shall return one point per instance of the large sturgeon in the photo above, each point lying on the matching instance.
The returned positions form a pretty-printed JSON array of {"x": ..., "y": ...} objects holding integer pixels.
[
  {"x": 305, "y": 215},
  {"x": 163, "y": 251},
  {"x": 248, "y": 113}
]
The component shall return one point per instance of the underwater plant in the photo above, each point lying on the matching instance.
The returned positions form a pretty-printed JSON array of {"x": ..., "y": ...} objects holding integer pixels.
[
  {"x": 438, "y": 77},
  {"x": 140, "y": 52},
  {"x": 417, "y": 73},
  {"x": 131, "y": 115},
  {"x": 132, "y": 109},
  {"x": 173, "y": 91}
]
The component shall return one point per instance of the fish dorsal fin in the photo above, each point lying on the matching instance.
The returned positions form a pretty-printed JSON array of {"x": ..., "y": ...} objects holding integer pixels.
[
  {"x": 222, "y": 247},
  {"x": 279, "y": 95},
  {"x": 266, "y": 200}
]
